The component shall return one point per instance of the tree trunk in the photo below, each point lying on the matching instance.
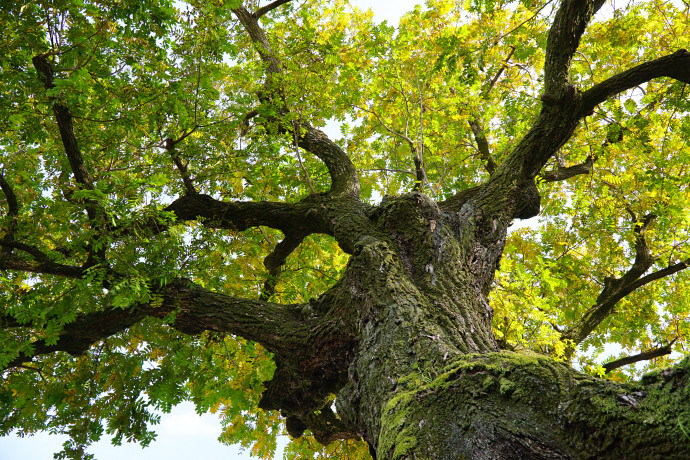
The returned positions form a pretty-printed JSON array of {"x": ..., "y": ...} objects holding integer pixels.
[{"x": 428, "y": 380}]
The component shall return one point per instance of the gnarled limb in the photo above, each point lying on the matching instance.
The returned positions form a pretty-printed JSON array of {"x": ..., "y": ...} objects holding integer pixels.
[
  {"x": 279, "y": 328},
  {"x": 307, "y": 216}
]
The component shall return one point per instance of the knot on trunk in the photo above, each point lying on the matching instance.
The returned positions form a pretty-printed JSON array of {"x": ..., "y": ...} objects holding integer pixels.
[{"x": 527, "y": 202}]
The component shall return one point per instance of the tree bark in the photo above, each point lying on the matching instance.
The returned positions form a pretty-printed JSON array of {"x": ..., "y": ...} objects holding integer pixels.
[{"x": 428, "y": 380}]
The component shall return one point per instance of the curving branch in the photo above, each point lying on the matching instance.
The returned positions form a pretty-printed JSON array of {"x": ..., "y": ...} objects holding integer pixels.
[
  {"x": 271, "y": 6},
  {"x": 616, "y": 289},
  {"x": 644, "y": 356},
  {"x": 344, "y": 177},
  {"x": 676, "y": 65}
]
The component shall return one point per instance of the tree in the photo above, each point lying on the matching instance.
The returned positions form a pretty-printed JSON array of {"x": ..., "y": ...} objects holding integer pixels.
[{"x": 176, "y": 225}]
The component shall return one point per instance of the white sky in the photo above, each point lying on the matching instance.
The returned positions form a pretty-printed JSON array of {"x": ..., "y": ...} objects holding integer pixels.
[{"x": 182, "y": 434}]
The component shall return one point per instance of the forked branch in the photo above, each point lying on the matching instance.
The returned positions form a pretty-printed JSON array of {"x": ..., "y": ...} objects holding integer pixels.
[{"x": 616, "y": 289}]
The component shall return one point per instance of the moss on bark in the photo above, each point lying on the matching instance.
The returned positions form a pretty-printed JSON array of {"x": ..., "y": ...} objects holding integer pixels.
[{"x": 507, "y": 405}]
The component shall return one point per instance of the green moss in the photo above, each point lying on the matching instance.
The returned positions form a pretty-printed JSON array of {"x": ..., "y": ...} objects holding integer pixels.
[{"x": 506, "y": 386}]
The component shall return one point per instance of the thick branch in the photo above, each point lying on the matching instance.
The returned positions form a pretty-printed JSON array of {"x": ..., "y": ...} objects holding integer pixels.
[
  {"x": 271, "y": 6},
  {"x": 644, "y": 356},
  {"x": 676, "y": 65},
  {"x": 13, "y": 212},
  {"x": 80, "y": 334},
  {"x": 564, "y": 38},
  {"x": 560, "y": 174},
  {"x": 304, "y": 217},
  {"x": 344, "y": 178},
  {"x": 511, "y": 192},
  {"x": 277, "y": 327}
]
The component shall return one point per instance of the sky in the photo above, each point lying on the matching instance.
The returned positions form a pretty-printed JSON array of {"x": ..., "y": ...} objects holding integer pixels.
[{"x": 182, "y": 434}]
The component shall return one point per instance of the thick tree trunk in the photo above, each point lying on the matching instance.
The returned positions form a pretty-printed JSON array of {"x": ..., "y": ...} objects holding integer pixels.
[{"x": 428, "y": 380}]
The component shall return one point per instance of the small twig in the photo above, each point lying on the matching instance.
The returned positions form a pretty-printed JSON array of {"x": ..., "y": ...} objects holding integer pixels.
[
  {"x": 181, "y": 167},
  {"x": 295, "y": 129}
]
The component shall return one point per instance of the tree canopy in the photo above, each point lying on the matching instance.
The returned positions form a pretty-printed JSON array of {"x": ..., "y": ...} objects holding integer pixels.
[{"x": 174, "y": 224}]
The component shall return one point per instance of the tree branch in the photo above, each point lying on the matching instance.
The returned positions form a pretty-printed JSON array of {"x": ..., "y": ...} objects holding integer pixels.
[
  {"x": 13, "y": 212},
  {"x": 617, "y": 288},
  {"x": 563, "y": 40},
  {"x": 271, "y": 6},
  {"x": 275, "y": 261},
  {"x": 195, "y": 309},
  {"x": 560, "y": 174},
  {"x": 63, "y": 117},
  {"x": 420, "y": 176},
  {"x": 482, "y": 145},
  {"x": 46, "y": 267},
  {"x": 676, "y": 65},
  {"x": 36, "y": 253},
  {"x": 644, "y": 356},
  {"x": 304, "y": 217},
  {"x": 170, "y": 147},
  {"x": 344, "y": 178}
]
